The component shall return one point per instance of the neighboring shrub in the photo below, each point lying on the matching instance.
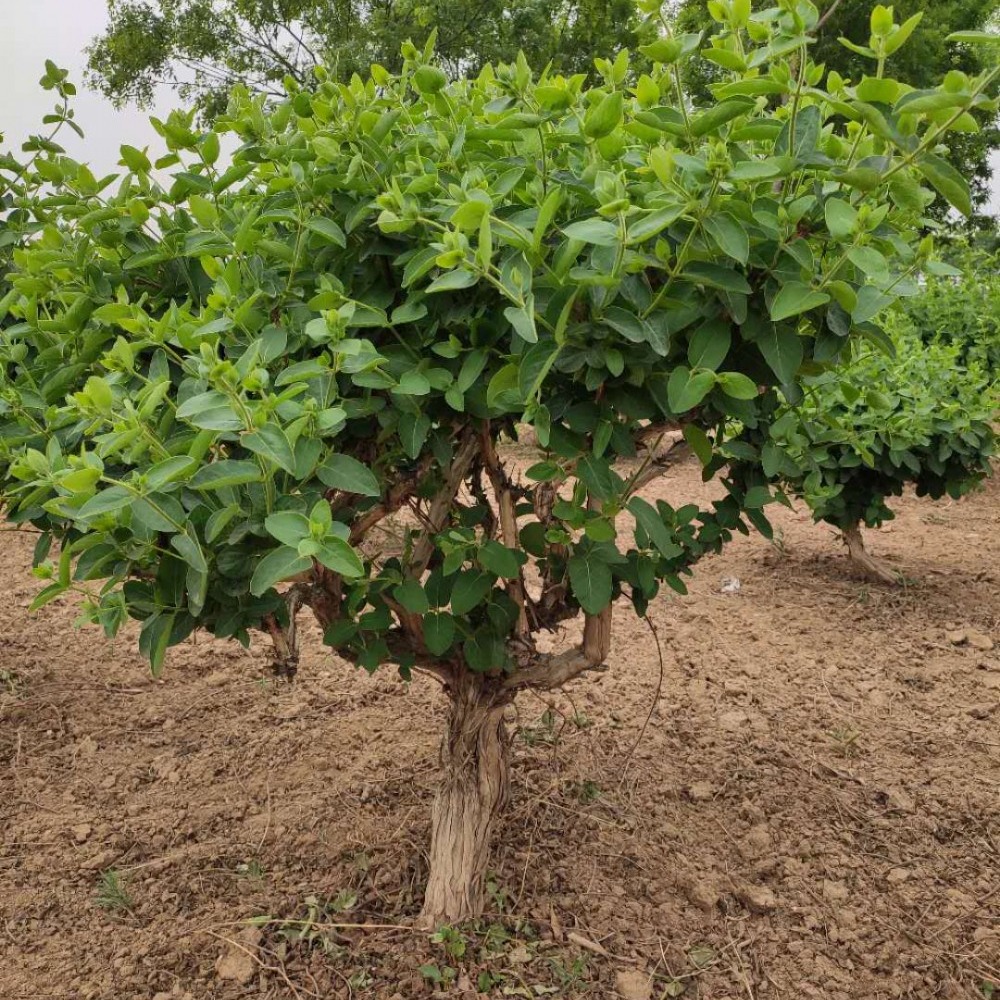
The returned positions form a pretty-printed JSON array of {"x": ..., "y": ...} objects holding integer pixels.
[
  {"x": 962, "y": 307},
  {"x": 917, "y": 418},
  {"x": 216, "y": 395}
]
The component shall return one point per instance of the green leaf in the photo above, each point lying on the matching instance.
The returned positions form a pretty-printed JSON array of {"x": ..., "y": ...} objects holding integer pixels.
[
  {"x": 439, "y": 632},
  {"x": 716, "y": 117},
  {"x": 729, "y": 236},
  {"x": 272, "y": 443},
  {"x": 328, "y": 229},
  {"x": 686, "y": 389},
  {"x": 947, "y": 181},
  {"x": 650, "y": 224},
  {"x": 342, "y": 472},
  {"x": 224, "y": 473},
  {"x": 709, "y": 345},
  {"x": 413, "y": 431},
  {"x": 503, "y": 391},
  {"x": 699, "y": 442},
  {"x": 841, "y": 218},
  {"x": 471, "y": 588},
  {"x": 281, "y": 564},
  {"x": 590, "y": 580},
  {"x": 501, "y": 561},
  {"x": 974, "y": 37},
  {"x": 48, "y": 594},
  {"x": 169, "y": 471},
  {"x": 106, "y": 502},
  {"x": 210, "y": 411},
  {"x": 522, "y": 318},
  {"x": 189, "y": 548},
  {"x": 597, "y": 231},
  {"x": 288, "y": 527},
  {"x": 738, "y": 385},
  {"x": 412, "y": 596},
  {"x": 453, "y": 281},
  {"x": 648, "y": 518},
  {"x": 604, "y": 117},
  {"x": 337, "y": 555},
  {"x": 717, "y": 276},
  {"x": 795, "y": 298},
  {"x": 783, "y": 352}
]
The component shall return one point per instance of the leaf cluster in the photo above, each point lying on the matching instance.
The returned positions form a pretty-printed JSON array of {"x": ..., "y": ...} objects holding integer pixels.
[
  {"x": 919, "y": 417},
  {"x": 283, "y": 380}
]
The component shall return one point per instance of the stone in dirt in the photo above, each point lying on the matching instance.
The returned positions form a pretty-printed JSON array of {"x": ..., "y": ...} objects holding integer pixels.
[
  {"x": 757, "y": 898},
  {"x": 237, "y": 961},
  {"x": 701, "y": 791},
  {"x": 979, "y": 641},
  {"x": 632, "y": 984},
  {"x": 834, "y": 891},
  {"x": 701, "y": 894}
]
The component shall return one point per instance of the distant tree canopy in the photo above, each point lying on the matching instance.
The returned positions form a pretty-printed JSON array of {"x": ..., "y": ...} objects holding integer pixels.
[
  {"x": 203, "y": 47},
  {"x": 926, "y": 59}
]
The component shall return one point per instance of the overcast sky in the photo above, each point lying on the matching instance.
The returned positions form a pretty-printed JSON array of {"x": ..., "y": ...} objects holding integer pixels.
[{"x": 36, "y": 30}]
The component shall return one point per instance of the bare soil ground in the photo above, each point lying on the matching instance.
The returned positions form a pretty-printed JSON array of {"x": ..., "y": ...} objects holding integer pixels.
[{"x": 813, "y": 810}]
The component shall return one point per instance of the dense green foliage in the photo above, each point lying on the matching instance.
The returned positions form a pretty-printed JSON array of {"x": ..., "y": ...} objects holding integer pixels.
[
  {"x": 212, "y": 386},
  {"x": 928, "y": 58},
  {"x": 916, "y": 418},
  {"x": 283, "y": 382},
  {"x": 206, "y": 46},
  {"x": 963, "y": 308}
]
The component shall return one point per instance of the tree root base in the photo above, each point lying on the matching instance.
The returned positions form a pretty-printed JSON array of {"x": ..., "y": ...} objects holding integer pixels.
[{"x": 872, "y": 567}]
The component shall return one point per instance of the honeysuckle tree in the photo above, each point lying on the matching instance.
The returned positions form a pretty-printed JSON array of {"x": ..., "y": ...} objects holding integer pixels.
[
  {"x": 285, "y": 384},
  {"x": 916, "y": 418}
]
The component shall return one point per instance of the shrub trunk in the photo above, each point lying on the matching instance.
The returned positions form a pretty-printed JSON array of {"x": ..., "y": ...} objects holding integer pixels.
[
  {"x": 872, "y": 567},
  {"x": 472, "y": 793}
]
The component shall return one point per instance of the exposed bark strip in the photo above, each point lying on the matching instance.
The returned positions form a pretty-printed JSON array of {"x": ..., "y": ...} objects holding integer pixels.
[
  {"x": 864, "y": 560},
  {"x": 442, "y": 504},
  {"x": 508, "y": 521},
  {"x": 472, "y": 793}
]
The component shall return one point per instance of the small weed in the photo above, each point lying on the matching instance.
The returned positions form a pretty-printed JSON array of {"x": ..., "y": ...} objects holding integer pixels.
[
  {"x": 310, "y": 930},
  {"x": 251, "y": 869},
  {"x": 452, "y": 941},
  {"x": 112, "y": 893},
  {"x": 10, "y": 683},
  {"x": 437, "y": 975},
  {"x": 361, "y": 980},
  {"x": 499, "y": 895},
  {"x": 570, "y": 977},
  {"x": 581, "y": 720},
  {"x": 543, "y": 732},
  {"x": 585, "y": 791},
  {"x": 846, "y": 740}
]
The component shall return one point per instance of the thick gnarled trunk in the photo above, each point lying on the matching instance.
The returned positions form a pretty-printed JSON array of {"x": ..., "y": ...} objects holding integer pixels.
[
  {"x": 472, "y": 794},
  {"x": 872, "y": 567}
]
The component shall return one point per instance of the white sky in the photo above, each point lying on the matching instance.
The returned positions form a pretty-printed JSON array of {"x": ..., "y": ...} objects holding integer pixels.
[{"x": 35, "y": 30}]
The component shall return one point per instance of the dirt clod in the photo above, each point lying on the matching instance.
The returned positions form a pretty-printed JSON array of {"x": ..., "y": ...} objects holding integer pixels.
[
  {"x": 757, "y": 898},
  {"x": 237, "y": 961},
  {"x": 632, "y": 984}
]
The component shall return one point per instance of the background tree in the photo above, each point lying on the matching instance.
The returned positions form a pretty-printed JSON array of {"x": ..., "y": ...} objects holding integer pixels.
[
  {"x": 920, "y": 64},
  {"x": 203, "y": 47}
]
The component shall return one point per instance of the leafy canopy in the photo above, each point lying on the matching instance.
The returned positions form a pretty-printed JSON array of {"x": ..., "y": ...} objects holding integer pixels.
[
  {"x": 205, "y": 46},
  {"x": 843, "y": 44},
  {"x": 916, "y": 418},
  {"x": 283, "y": 382}
]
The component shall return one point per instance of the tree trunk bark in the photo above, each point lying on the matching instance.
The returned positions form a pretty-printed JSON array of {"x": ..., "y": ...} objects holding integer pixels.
[
  {"x": 865, "y": 561},
  {"x": 472, "y": 793}
]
